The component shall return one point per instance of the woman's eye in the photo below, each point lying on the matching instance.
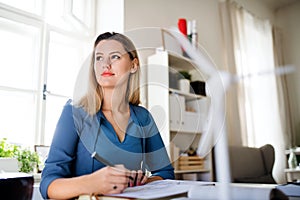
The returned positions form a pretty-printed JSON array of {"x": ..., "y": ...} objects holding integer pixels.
[
  {"x": 99, "y": 58},
  {"x": 115, "y": 57}
]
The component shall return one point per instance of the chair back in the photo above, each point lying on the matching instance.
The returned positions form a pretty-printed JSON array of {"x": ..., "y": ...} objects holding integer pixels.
[{"x": 252, "y": 165}]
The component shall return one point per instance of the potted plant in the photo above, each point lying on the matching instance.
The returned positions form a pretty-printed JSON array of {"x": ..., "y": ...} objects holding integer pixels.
[
  {"x": 28, "y": 160},
  {"x": 185, "y": 75},
  {"x": 184, "y": 81}
]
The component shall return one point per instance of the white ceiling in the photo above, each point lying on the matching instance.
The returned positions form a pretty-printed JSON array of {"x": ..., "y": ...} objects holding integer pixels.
[{"x": 276, "y": 4}]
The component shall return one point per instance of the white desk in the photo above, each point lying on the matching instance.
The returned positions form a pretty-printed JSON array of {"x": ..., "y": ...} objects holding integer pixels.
[
  {"x": 36, "y": 195},
  {"x": 243, "y": 191},
  {"x": 239, "y": 192}
]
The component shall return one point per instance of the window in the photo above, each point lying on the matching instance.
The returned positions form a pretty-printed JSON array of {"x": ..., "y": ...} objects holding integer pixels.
[
  {"x": 61, "y": 76},
  {"x": 43, "y": 44},
  {"x": 30, "y": 6}
]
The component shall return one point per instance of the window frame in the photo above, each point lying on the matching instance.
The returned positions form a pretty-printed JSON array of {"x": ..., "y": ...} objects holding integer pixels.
[{"x": 44, "y": 30}]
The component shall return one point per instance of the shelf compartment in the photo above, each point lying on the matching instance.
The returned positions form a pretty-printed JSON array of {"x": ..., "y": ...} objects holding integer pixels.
[
  {"x": 188, "y": 96},
  {"x": 191, "y": 163}
]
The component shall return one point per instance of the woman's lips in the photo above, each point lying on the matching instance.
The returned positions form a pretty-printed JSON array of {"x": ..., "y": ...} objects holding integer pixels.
[{"x": 107, "y": 74}]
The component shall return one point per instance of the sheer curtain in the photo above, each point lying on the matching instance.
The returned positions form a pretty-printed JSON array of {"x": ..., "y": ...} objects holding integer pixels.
[
  {"x": 284, "y": 96},
  {"x": 257, "y": 94}
]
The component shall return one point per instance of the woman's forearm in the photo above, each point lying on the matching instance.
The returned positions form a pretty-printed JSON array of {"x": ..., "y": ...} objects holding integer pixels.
[{"x": 66, "y": 188}]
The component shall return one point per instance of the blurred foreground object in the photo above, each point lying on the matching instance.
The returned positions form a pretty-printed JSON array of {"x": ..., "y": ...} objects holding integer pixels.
[{"x": 16, "y": 186}]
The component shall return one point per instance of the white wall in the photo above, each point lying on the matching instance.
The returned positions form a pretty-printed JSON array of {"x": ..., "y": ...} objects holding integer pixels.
[
  {"x": 165, "y": 13},
  {"x": 287, "y": 18}
]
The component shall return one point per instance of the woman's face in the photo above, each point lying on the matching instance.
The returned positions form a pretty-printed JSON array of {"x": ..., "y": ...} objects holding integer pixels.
[{"x": 112, "y": 64}]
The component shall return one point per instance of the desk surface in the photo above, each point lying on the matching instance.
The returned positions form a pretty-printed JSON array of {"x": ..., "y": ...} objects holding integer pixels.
[
  {"x": 36, "y": 195},
  {"x": 201, "y": 190},
  {"x": 194, "y": 190}
]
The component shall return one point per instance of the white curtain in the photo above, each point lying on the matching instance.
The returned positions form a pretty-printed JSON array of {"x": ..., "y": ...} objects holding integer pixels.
[
  {"x": 257, "y": 94},
  {"x": 284, "y": 96}
]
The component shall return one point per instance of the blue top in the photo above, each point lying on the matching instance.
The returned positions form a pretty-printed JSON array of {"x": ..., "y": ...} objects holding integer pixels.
[{"x": 78, "y": 135}]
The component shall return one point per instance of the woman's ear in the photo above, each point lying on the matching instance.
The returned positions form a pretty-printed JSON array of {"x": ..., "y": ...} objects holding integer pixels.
[{"x": 135, "y": 65}]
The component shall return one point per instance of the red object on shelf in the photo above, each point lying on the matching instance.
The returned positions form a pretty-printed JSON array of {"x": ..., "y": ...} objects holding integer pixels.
[{"x": 182, "y": 26}]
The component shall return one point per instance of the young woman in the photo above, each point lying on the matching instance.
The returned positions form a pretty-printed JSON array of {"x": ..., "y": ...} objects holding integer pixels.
[{"x": 105, "y": 142}]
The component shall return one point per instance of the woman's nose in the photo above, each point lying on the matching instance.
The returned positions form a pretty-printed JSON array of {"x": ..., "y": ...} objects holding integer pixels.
[{"x": 106, "y": 63}]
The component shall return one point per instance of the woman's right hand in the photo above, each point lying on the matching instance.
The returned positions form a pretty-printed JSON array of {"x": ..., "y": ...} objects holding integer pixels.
[{"x": 109, "y": 180}]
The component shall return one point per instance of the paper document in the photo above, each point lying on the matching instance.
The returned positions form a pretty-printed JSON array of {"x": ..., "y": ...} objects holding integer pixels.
[{"x": 159, "y": 189}]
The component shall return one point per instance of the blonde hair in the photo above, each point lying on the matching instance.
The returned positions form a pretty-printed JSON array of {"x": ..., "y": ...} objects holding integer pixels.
[{"x": 92, "y": 100}]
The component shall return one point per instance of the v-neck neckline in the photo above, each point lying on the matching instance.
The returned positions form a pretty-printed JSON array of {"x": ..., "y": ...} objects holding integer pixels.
[{"x": 115, "y": 135}]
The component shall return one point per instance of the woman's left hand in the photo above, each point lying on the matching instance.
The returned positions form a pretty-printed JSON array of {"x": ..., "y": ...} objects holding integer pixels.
[{"x": 139, "y": 178}]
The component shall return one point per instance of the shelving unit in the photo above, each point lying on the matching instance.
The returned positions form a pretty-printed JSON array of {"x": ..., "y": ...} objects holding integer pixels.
[
  {"x": 180, "y": 115},
  {"x": 293, "y": 174}
]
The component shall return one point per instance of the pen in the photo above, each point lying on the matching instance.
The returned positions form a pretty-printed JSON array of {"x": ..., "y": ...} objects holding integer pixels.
[
  {"x": 99, "y": 158},
  {"x": 104, "y": 161},
  {"x": 146, "y": 172}
]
